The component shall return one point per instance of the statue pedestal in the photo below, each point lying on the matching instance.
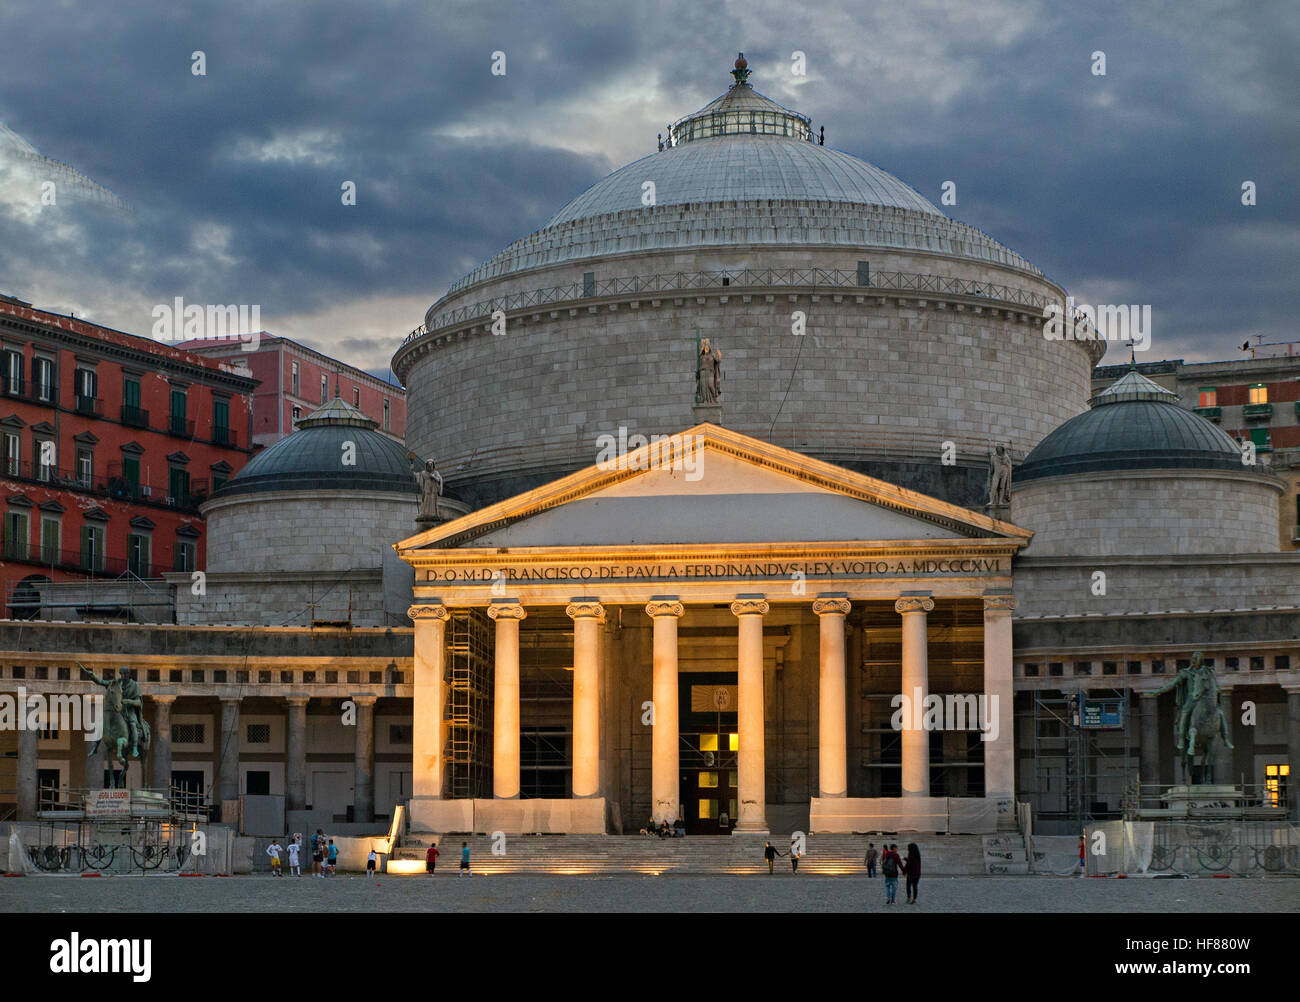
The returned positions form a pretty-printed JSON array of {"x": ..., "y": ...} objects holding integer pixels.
[
  {"x": 448, "y": 509},
  {"x": 711, "y": 413},
  {"x": 1202, "y": 796}
]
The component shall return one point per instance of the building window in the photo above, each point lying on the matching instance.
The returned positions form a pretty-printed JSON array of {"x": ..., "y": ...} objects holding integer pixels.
[
  {"x": 137, "y": 554},
  {"x": 1276, "y": 775},
  {"x": 1257, "y": 664},
  {"x": 324, "y": 389},
  {"x": 1031, "y": 671},
  {"x": 87, "y": 386},
  {"x": 92, "y": 547},
  {"x": 294, "y": 380},
  {"x": 356, "y": 396},
  {"x": 50, "y": 540},
  {"x": 85, "y": 466},
  {"x": 178, "y": 486},
  {"x": 179, "y": 407},
  {"x": 43, "y": 379},
  {"x": 1230, "y": 664},
  {"x": 1135, "y": 667},
  {"x": 221, "y": 421},
  {"x": 297, "y": 413},
  {"x": 187, "y": 734},
  {"x": 45, "y": 465},
  {"x": 13, "y": 372},
  {"x": 258, "y": 734},
  {"x": 16, "y": 535},
  {"x": 1282, "y": 662},
  {"x": 388, "y": 422},
  {"x": 1207, "y": 397},
  {"x": 13, "y": 454},
  {"x": 184, "y": 555},
  {"x": 1258, "y": 393},
  {"x": 1055, "y": 668}
]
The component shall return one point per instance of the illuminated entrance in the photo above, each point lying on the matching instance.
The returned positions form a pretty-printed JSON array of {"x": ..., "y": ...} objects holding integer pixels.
[{"x": 710, "y": 742}]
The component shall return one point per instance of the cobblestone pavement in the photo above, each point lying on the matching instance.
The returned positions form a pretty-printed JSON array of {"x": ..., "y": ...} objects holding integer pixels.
[{"x": 519, "y": 893}]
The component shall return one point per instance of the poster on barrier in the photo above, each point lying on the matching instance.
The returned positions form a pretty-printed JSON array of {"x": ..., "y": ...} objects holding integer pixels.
[{"x": 108, "y": 805}]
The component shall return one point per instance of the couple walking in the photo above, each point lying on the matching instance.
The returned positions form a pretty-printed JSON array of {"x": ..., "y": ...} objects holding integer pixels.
[{"x": 891, "y": 865}]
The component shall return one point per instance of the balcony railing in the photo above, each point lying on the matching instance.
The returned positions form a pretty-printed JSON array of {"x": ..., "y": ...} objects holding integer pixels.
[
  {"x": 89, "y": 405},
  {"x": 115, "y": 485},
  {"x": 74, "y": 561},
  {"x": 177, "y": 425},
  {"x": 135, "y": 416},
  {"x": 1210, "y": 413},
  {"x": 35, "y": 391},
  {"x": 225, "y": 436},
  {"x": 1255, "y": 412}
]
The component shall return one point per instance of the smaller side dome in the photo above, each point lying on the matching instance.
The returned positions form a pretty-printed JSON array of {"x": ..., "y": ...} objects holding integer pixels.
[
  {"x": 315, "y": 457},
  {"x": 1134, "y": 424}
]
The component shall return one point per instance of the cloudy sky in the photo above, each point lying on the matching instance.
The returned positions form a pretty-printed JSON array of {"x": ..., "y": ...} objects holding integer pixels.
[{"x": 1126, "y": 187}]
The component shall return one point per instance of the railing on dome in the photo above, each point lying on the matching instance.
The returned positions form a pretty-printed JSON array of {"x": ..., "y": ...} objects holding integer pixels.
[
  {"x": 742, "y": 123},
  {"x": 891, "y": 281}
]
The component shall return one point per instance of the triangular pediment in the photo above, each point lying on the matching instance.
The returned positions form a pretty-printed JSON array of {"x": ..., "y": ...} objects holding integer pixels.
[{"x": 711, "y": 485}]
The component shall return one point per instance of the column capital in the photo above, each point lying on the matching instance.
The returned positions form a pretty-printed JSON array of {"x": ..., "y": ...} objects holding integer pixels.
[
  {"x": 365, "y": 699},
  {"x": 1149, "y": 694},
  {"x": 749, "y": 605},
  {"x": 507, "y": 610},
  {"x": 829, "y": 605},
  {"x": 230, "y": 699},
  {"x": 914, "y": 603},
  {"x": 999, "y": 603},
  {"x": 431, "y": 610},
  {"x": 664, "y": 606},
  {"x": 1291, "y": 688},
  {"x": 585, "y": 608},
  {"x": 163, "y": 700}
]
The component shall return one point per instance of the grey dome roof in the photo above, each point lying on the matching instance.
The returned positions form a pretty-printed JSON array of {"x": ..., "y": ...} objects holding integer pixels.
[
  {"x": 312, "y": 458},
  {"x": 1133, "y": 425},
  {"x": 735, "y": 168}
]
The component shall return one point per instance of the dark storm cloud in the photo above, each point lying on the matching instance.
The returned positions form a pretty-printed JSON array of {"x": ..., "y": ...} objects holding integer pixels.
[{"x": 1123, "y": 186}]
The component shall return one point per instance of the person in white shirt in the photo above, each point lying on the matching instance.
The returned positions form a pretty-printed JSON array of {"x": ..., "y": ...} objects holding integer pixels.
[
  {"x": 371, "y": 860},
  {"x": 273, "y": 850},
  {"x": 294, "y": 850}
]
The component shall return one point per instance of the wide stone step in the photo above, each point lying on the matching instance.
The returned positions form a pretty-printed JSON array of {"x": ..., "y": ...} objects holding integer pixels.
[{"x": 560, "y": 854}]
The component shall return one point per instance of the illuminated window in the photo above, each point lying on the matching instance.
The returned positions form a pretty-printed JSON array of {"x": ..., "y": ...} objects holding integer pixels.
[
  {"x": 1208, "y": 397},
  {"x": 1275, "y": 777},
  {"x": 708, "y": 742},
  {"x": 735, "y": 742},
  {"x": 734, "y": 779},
  {"x": 1258, "y": 393},
  {"x": 708, "y": 809},
  {"x": 708, "y": 780}
]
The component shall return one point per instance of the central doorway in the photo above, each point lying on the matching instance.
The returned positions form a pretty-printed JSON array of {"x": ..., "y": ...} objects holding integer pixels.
[{"x": 708, "y": 755}]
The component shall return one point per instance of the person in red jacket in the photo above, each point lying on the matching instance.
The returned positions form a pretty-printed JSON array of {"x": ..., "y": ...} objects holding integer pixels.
[
  {"x": 912, "y": 868},
  {"x": 431, "y": 860}
]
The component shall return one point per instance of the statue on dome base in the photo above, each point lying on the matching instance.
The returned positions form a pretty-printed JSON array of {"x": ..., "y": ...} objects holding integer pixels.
[
  {"x": 999, "y": 478},
  {"x": 708, "y": 374}
]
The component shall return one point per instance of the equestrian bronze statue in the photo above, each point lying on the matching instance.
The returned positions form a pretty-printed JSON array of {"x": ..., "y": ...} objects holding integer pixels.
[
  {"x": 126, "y": 735},
  {"x": 1200, "y": 721}
]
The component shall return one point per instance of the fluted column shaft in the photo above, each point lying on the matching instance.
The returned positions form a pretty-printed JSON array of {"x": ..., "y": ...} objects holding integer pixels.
[
  {"x": 428, "y": 734},
  {"x": 916, "y": 686},
  {"x": 587, "y": 615},
  {"x": 665, "y": 785},
  {"x": 832, "y": 771},
  {"x": 505, "y": 720},
  {"x": 752, "y": 778}
]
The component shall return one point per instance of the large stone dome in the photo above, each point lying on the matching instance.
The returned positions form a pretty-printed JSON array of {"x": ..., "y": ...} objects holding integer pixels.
[
  {"x": 1134, "y": 424},
  {"x": 312, "y": 458},
  {"x": 745, "y": 229}
]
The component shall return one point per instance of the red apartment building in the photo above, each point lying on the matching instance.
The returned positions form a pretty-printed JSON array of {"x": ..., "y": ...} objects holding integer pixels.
[
  {"x": 295, "y": 380},
  {"x": 108, "y": 443}
]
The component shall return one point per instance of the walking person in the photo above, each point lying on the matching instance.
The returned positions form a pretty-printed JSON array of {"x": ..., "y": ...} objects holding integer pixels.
[
  {"x": 295, "y": 851},
  {"x": 770, "y": 854},
  {"x": 318, "y": 854},
  {"x": 333, "y": 857},
  {"x": 464, "y": 861},
  {"x": 870, "y": 859},
  {"x": 890, "y": 864},
  {"x": 273, "y": 850},
  {"x": 1083, "y": 857},
  {"x": 912, "y": 867},
  {"x": 431, "y": 860},
  {"x": 371, "y": 861},
  {"x": 795, "y": 855}
]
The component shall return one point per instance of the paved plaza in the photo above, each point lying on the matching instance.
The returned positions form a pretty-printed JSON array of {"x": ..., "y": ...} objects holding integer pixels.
[{"x": 781, "y": 892}]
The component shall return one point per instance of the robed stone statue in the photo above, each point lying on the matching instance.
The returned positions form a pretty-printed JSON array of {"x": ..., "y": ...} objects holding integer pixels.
[
  {"x": 999, "y": 478},
  {"x": 708, "y": 374},
  {"x": 429, "y": 480}
]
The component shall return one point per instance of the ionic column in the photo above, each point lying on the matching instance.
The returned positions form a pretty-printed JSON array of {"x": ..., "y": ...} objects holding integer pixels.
[
  {"x": 428, "y": 734},
  {"x": 1293, "y": 751},
  {"x": 295, "y": 768},
  {"x": 228, "y": 787},
  {"x": 1149, "y": 749},
  {"x": 1223, "y": 771},
  {"x": 999, "y": 693},
  {"x": 505, "y": 722},
  {"x": 363, "y": 784},
  {"x": 162, "y": 741},
  {"x": 915, "y": 685},
  {"x": 832, "y": 770},
  {"x": 752, "y": 779},
  {"x": 587, "y": 615},
  {"x": 27, "y": 772},
  {"x": 665, "y": 788}
]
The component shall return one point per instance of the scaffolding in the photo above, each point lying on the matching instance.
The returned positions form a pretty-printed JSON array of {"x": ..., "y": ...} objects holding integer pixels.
[
  {"x": 468, "y": 751},
  {"x": 1073, "y": 772}
]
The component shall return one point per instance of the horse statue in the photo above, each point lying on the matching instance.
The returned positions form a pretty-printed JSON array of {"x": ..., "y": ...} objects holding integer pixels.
[
  {"x": 1201, "y": 719},
  {"x": 126, "y": 735}
]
